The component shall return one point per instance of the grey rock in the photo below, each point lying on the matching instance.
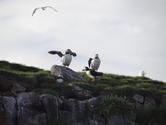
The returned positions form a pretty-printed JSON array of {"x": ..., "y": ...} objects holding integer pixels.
[
  {"x": 38, "y": 119},
  {"x": 3, "y": 118},
  {"x": 138, "y": 98},
  {"x": 51, "y": 105},
  {"x": 5, "y": 85},
  {"x": 77, "y": 88},
  {"x": 93, "y": 100},
  {"x": 98, "y": 121},
  {"x": 67, "y": 73},
  {"x": 1, "y": 104},
  {"x": 17, "y": 88},
  {"x": 27, "y": 99},
  {"x": 80, "y": 92},
  {"x": 80, "y": 112},
  {"x": 66, "y": 116},
  {"x": 143, "y": 101},
  {"x": 82, "y": 105},
  {"x": 30, "y": 110},
  {"x": 149, "y": 102},
  {"x": 9, "y": 104},
  {"x": 163, "y": 100},
  {"x": 46, "y": 109},
  {"x": 93, "y": 122},
  {"x": 73, "y": 107},
  {"x": 116, "y": 120}
]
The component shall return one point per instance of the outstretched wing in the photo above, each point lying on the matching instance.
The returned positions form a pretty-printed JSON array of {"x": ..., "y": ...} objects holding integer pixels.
[
  {"x": 73, "y": 54},
  {"x": 89, "y": 61},
  {"x": 60, "y": 54},
  {"x": 34, "y": 11},
  {"x": 51, "y": 8}
]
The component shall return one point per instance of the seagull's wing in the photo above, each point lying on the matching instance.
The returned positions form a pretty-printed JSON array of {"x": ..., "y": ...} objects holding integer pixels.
[
  {"x": 51, "y": 8},
  {"x": 34, "y": 11},
  {"x": 89, "y": 61},
  {"x": 60, "y": 54}
]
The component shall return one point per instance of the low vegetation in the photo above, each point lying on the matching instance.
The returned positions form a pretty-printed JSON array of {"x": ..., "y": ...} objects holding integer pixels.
[
  {"x": 107, "y": 85},
  {"x": 117, "y": 90}
]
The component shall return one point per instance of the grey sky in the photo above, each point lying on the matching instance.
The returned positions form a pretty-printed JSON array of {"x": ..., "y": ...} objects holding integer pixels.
[{"x": 129, "y": 35}]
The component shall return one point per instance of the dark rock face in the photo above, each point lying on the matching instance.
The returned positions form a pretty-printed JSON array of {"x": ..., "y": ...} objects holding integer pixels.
[
  {"x": 8, "y": 86},
  {"x": 144, "y": 101},
  {"x": 116, "y": 120},
  {"x": 17, "y": 88},
  {"x": 31, "y": 97},
  {"x": 67, "y": 73},
  {"x": 8, "y": 112},
  {"x": 30, "y": 111},
  {"x": 30, "y": 108},
  {"x": 50, "y": 104},
  {"x": 163, "y": 101},
  {"x": 45, "y": 109},
  {"x": 5, "y": 85},
  {"x": 10, "y": 108},
  {"x": 80, "y": 92}
]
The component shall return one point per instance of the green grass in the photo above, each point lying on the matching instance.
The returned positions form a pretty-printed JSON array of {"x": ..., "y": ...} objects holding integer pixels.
[
  {"x": 113, "y": 105},
  {"x": 28, "y": 77},
  {"x": 17, "y": 67},
  {"x": 108, "y": 84}
]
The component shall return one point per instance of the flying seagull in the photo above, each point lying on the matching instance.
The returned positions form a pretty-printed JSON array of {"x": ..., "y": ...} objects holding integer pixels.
[
  {"x": 43, "y": 8},
  {"x": 66, "y": 57}
]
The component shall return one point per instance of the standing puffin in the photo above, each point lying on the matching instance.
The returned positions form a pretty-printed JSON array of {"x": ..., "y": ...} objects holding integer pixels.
[
  {"x": 142, "y": 73},
  {"x": 92, "y": 73},
  {"x": 94, "y": 63},
  {"x": 65, "y": 58}
]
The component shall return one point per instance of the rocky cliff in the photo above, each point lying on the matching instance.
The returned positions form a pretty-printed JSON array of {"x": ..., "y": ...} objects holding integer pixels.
[{"x": 31, "y": 96}]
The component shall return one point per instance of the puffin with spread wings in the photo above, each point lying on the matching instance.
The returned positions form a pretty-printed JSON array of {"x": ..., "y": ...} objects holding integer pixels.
[
  {"x": 43, "y": 8},
  {"x": 66, "y": 58}
]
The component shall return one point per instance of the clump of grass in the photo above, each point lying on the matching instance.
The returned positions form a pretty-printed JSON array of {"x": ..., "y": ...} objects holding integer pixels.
[
  {"x": 109, "y": 106},
  {"x": 18, "y": 67}
]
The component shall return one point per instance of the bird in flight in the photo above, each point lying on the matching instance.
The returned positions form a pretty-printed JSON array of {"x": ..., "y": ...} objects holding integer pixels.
[{"x": 43, "y": 8}]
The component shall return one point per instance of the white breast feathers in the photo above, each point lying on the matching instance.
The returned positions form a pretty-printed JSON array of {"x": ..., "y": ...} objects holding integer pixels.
[
  {"x": 95, "y": 64},
  {"x": 66, "y": 59}
]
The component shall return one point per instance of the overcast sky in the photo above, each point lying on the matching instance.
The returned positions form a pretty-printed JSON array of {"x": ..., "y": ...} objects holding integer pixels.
[{"x": 128, "y": 35}]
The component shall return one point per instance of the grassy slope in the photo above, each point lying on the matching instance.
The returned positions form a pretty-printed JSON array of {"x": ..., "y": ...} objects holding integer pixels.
[{"x": 37, "y": 79}]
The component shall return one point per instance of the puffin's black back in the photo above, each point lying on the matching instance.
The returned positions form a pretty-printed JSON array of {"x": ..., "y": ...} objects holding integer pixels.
[{"x": 95, "y": 73}]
